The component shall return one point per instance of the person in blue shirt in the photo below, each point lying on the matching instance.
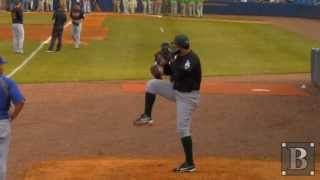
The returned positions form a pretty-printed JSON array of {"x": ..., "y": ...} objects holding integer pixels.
[{"x": 9, "y": 94}]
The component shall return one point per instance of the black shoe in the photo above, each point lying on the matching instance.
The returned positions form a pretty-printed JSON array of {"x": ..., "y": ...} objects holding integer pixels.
[
  {"x": 185, "y": 167},
  {"x": 143, "y": 120}
]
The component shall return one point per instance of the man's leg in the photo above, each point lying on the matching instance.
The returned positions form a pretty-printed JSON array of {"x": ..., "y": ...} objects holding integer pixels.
[
  {"x": 201, "y": 9},
  {"x": 88, "y": 6},
  {"x": 190, "y": 9},
  {"x": 118, "y": 4},
  {"x": 186, "y": 104},
  {"x": 155, "y": 87},
  {"x": 198, "y": 9},
  {"x": 176, "y": 9},
  {"x": 78, "y": 35},
  {"x": 144, "y": 3},
  {"x": 150, "y": 7},
  {"x": 5, "y": 131},
  {"x": 21, "y": 38},
  {"x": 53, "y": 39},
  {"x": 15, "y": 38},
  {"x": 60, "y": 32},
  {"x": 184, "y": 9},
  {"x": 73, "y": 33},
  {"x": 125, "y": 6}
]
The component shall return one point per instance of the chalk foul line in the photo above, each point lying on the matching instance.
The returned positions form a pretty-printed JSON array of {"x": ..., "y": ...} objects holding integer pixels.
[{"x": 34, "y": 53}]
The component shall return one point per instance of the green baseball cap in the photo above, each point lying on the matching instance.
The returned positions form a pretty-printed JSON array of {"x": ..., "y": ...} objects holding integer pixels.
[{"x": 181, "y": 40}]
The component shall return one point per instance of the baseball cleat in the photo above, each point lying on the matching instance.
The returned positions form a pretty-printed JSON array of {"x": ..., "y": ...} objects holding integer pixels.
[
  {"x": 143, "y": 120},
  {"x": 185, "y": 167}
]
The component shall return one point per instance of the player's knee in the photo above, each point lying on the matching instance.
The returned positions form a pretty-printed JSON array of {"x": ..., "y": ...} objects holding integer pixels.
[
  {"x": 151, "y": 86},
  {"x": 183, "y": 132}
]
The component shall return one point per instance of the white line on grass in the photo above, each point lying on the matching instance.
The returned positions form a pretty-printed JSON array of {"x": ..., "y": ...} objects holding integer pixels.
[{"x": 35, "y": 52}]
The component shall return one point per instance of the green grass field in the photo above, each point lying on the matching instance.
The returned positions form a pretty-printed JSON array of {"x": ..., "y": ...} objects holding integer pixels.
[{"x": 225, "y": 48}]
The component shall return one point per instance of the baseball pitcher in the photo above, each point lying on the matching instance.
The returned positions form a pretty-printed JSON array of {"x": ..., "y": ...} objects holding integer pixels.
[{"x": 183, "y": 89}]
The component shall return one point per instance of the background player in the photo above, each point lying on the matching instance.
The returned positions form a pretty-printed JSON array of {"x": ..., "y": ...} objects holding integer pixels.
[
  {"x": 77, "y": 15},
  {"x": 59, "y": 20},
  {"x": 17, "y": 28},
  {"x": 183, "y": 89}
]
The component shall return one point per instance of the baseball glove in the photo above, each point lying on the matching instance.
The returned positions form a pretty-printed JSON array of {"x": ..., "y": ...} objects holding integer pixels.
[{"x": 156, "y": 71}]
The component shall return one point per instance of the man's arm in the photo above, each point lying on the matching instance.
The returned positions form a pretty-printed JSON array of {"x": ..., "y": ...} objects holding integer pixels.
[
  {"x": 17, "y": 99},
  {"x": 17, "y": 109}
]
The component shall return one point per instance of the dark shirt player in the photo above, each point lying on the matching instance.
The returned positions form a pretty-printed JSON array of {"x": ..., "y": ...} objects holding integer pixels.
[{"x": 59, "y": 20}]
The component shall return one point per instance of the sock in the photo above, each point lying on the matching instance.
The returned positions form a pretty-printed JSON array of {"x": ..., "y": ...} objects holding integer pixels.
[
  {"x": 149, "y": 101},
  {"x": 187, "y": 147}
]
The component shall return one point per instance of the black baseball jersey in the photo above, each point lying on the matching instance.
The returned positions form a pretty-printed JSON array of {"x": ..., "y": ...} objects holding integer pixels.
[
  {"x": 17, "y": 16},
  {"x": 59, "y": 18},
  {"x": 185, "y": 72},
  {"x": 76, "y": 16}
]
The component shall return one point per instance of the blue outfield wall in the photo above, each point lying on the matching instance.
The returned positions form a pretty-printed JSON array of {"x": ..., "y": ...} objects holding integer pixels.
[{"x": 262, "y": 9}]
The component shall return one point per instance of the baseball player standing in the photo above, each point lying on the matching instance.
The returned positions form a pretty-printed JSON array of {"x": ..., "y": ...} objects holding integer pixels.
[
  {"x": 17, "y": 28},
  {"x": 174, "y": 7},
  {"x": 183, "y": 89},
  {"x": 41, "y": 5},
  {"x": 158, "y": 7},
  {"x": 192, "y": 7},
  {"x": 49, "y": 5},
  {"x": 9, "y": 93},
  {"x": 125, "y": 5},
  {"x": 199, "y": 4},
  {"x": 183, "y": 7},
  {"x": 144, "y": 6},
  {"x": 86, "y": 6},
  {"x": 150, "y": 6},
  {"x": 77, "y": 16},
  {"x": 132, "y": 6},
  {"x": 59, "y": 20},
  {"x": 117, "y": 6}
]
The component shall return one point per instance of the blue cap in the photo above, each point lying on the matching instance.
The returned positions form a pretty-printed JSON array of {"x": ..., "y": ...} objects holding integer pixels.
[{"x": 2, "y": 61}]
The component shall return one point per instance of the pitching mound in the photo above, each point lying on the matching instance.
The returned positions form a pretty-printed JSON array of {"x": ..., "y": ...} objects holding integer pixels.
[{"x": 155, "y": 169}]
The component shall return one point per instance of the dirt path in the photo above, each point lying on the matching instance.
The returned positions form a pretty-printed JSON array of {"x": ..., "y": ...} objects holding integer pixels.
[{"x": 79, "y": 120}]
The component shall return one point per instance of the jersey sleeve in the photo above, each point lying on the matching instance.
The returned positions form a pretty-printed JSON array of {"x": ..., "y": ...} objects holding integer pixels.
[{"x": 15, "y": 93}]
